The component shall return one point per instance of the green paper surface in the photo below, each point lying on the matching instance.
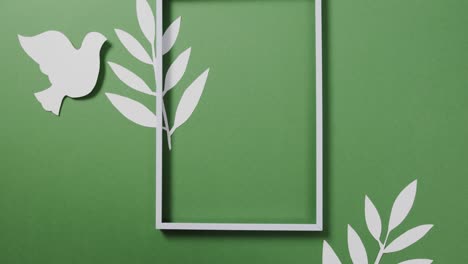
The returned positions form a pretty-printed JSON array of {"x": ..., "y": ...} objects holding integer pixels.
[{"x": 80, "y": 188}]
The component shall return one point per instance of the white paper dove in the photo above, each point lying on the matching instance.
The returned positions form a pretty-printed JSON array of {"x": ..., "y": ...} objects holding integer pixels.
[{"x": 72, "y": 72}]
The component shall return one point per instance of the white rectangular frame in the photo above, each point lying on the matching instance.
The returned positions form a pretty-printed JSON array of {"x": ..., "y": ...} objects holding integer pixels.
[{"x": 318, "y": 226}]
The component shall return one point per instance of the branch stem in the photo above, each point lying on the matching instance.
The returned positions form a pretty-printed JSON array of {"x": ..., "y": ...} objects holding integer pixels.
[
  {"x": 382, "y": 249},
  {"x": 379, "y": 256},
  {"x": 168, "y": 133},
  {"x": 165, "y": 119}
]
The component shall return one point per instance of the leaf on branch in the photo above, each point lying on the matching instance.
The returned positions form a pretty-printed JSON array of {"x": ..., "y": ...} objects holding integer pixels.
[
  {"x": 408, "y": 238},
  {"x": 176, "y": 70},
  {"x": 170, "y": 36},
  {"x": 329, "y": 256},
  {"x": 189, "y": 100},
  {"x": 130, "y": 78},
  {"x": 417, "y": 261},
  {"x": 146, "y": 19},
  {"x": 357, "y": 251},
  {"x": 133, "y": 110},
  {"x": 134, "y": 47},
  {"x": 402, "y": 205},
  {"x": 374, "y": 224}
]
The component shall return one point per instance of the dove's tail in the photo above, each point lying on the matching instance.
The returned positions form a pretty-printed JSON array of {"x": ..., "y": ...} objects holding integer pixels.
[{"x": 51, "y": 99}]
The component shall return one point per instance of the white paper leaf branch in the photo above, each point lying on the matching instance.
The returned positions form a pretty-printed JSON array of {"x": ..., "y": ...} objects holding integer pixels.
[
  {"x": 137, "y": 112},
  {"x": 417, "y": 261},
  {"x": 170, "y": 36},
  {"x": 134, "y": 47},
  {"x": 357, "y": 251},
  {"x": 329, "y": 256},
  {"x": 130, "y": 78},
  {"x": 189, "y": 100},
  {"x": 176, "y": 70},
  {"x": 133, "y": 110},
  {"x": 408, "y": 238},
  {"x": 402, "y": 205},
  {"x": 146, "y": 20},
  {"x": 400, "y": 210}
]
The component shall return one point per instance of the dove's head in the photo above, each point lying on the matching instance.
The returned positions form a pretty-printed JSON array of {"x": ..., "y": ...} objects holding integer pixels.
[{"x": 94, "y": 41}]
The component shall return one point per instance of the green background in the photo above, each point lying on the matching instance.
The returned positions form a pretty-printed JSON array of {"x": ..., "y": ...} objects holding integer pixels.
[{"x": 80, "y": 188}]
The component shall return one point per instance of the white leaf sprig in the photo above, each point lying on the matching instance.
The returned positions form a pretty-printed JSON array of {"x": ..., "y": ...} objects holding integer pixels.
[
  {"x": 146, "y": 20},
  {"x": 170, "y": 36},
  {"x": 400, "y": 211},
  {"x": 329, "y": 256},
  {"x": 374, "y": 224},
  {"x": 189, "y": 101},
  {"x": 408, "y": 238},
  {"x": 134, "y": 47},
  {"x": 176, "y": 70},
  {"x": 130, "y": 78},
  {"x": 357, "y": 251},
  {"x": 135, "y": 111},
  {"x": 402, "y": 206}
]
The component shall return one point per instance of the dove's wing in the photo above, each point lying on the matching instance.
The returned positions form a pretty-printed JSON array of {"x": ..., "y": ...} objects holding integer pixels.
[{"x": 49, "y": 49}]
